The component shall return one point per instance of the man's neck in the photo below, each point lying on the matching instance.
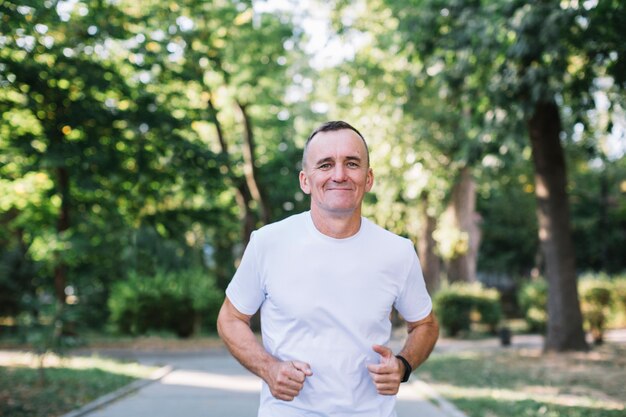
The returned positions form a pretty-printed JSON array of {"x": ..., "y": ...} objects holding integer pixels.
[{"x": 337, "y": 225}]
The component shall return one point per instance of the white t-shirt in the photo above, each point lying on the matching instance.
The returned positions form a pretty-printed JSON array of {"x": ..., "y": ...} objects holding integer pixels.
[{"x": 326, "y": 301}]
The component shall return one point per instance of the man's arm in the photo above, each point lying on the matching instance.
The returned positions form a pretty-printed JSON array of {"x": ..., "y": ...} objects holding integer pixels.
[
  {"x": 285, "y": 379},
  {"x": 420, "y": 342}
]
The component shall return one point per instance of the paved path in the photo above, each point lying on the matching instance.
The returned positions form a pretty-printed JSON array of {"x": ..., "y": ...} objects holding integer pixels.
[{"x": 213, "y": 384}]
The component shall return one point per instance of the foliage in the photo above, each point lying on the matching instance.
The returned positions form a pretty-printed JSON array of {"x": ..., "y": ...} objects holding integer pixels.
[
  {"x": 598, "y": 207},
  {"x": 413, "y": 149},
  {"x": 619, "y": 287},
  {"x": 109, "y": 153},
  {"x": 506, "y": 203},
  {"x": 105, "y": 155},
  {"x": 453, "y": 311},
  {"x": 601, "y": 296},
  {"x": 508, "y": 67},
  {"x": 112, "y": 118},
  {"x": 596, "y": 304},
  {"x": 459, "y": 304},
  {"x": 47, "y": 327},
  {"x": 442, "y": 86},
  {"x": 533, "y": 300},
  {"x": 172, "y": 301}
]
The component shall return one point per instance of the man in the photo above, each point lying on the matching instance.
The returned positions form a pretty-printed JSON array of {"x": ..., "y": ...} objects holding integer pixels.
[{"x": 325, "y": 281}]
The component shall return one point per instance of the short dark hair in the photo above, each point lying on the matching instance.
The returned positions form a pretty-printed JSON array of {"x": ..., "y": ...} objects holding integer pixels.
[{"x": 332, "y": 126}]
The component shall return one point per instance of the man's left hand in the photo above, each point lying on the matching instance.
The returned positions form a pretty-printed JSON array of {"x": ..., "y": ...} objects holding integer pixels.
[{"x": 387, "y": 374}]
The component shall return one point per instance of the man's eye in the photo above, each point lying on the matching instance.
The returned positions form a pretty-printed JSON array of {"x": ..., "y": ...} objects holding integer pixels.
[
  {"x": 324, "y": 166},
  {"x": 353, "y": 165}
]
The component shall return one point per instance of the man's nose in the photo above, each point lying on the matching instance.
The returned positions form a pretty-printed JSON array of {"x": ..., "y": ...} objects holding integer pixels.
[{"x": 339, "y": 173}]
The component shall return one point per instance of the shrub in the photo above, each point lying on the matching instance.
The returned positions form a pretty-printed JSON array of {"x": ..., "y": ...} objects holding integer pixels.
[
  {"x": 460, "y": 304},
  {"x": 600, "y": 296},
  {"x": 171, "y": 301},
  {"x": 619, "y": 298},
  {"x": 453, "y": 311},
  {"x": 533, "y": 300},
  {"x": 489, "y": 310},
  {"x": 596, "y": 302}
]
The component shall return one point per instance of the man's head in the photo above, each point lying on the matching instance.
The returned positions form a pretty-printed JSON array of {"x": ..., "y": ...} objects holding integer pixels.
[
  {"x": 335, "y": 169},
  {"x": 331, "y": 127}
]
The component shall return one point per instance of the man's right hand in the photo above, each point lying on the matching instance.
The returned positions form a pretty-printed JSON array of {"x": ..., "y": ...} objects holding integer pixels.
[{"x": 286, "y": 379}]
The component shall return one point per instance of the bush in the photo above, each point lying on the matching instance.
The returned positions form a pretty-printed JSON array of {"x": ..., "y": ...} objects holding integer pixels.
[
  {"x": 489, "y": 310},
  {"x": 460, "y": 304},
  {"x": 619, "y": 298},
  {"x": 172, "y": 301},
  {"x": 596, "y": 304},
  {"x": 453, "y": 311},
  {"x": 602, "y": 302},
  {"x": 533, "y": 300}
]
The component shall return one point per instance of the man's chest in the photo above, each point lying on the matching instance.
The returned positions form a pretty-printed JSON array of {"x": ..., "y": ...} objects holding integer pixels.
[{"x": 335, "y": 286}]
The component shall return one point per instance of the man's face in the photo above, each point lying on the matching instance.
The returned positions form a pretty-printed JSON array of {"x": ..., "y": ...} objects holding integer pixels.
[{"x": 336, "y": 173}]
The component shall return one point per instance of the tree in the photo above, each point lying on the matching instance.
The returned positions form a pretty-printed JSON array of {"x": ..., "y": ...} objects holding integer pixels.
[
  {"x": 233, "y": 62},
  {"x": 128, "y": 133},
  {"x": 43, "y": 74},
  {"x": 422, "y": 123},
  {"x": 526, "y": 58},
  {"x": 103, "y": 156}
]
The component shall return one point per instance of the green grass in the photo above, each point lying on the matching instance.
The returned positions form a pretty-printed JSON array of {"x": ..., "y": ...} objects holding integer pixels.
[
  {"x": 69, "y": 384},
  {"x": 489, "y": 407},
  {"x": 526, "y": 383}
]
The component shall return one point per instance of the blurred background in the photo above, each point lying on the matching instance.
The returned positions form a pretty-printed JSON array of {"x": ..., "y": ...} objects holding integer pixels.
[{"x": 142, "y": 141}]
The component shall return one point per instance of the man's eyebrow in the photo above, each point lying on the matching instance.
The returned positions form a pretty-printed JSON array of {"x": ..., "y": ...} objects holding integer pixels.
[
  {"x": 331, "y": 159},
  {"x": 324, "y": 161}
]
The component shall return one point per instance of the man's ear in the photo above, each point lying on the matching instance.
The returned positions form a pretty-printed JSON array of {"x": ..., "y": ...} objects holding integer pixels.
[
  {"x": 304, "y": 183},
  {"x": 369, "y": 181}
]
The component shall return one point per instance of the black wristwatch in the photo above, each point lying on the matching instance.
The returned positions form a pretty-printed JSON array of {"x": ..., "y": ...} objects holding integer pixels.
[{"x": 407, "y": 368}]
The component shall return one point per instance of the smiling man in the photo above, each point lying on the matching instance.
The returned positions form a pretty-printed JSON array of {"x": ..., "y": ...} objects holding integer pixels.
[
  {"x": 337, "y": 175},
  {"x": 326, "y": 281}
]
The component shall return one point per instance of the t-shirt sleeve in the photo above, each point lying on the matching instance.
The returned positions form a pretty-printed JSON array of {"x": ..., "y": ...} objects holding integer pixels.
[
  {"x": 413, "y": 302},
  {"x": 245, "y": 290}
]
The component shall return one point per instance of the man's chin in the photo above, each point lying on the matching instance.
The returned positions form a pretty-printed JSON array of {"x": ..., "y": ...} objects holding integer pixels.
[{"x": 345, "y": 210}]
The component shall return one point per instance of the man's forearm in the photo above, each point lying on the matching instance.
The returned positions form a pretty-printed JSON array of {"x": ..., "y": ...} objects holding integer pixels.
[
  {"x": 236, "y": 333},
  {"x": 285, "y": 379},
  {"x": 387, "y": 375},
  {"x": 420, "y": 341}
]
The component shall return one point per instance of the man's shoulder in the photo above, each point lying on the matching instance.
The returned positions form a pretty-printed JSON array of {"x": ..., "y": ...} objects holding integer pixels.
[
  {"x": 290, "y": 224},
  {"x": 381, "y": 231},
  {"x": 384, "y": 234}
]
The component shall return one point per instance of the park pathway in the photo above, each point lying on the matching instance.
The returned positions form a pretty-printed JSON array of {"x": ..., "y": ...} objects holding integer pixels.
[{"x": 213, "y": 384}]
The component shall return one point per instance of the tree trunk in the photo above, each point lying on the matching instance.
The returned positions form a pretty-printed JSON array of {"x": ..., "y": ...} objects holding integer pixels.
[
  {"x": 603, "y": 223},
  {"x": 565, "y": 331},
  {"x": 249, "y": 168},
  {"x": 462, "y": 212},
  {"x": 431, "y": 264},
  {"x": 63, "y": 224},
  {"x": 243, "y": 196},
  {"x": 246, "y": 216}
]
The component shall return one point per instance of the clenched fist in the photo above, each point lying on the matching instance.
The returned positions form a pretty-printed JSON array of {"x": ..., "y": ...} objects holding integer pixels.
[{"x": 286, "y": 379}]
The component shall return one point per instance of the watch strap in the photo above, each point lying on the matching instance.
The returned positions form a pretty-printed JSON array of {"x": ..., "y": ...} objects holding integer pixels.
[{"x": 407, "y": 368}]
